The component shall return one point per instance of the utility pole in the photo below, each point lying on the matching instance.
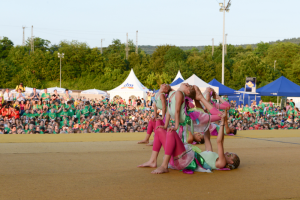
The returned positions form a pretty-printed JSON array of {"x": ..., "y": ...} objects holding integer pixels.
[
  {"x": 226, "y": 44},
  {"x": 23, "y": 43},
  {"x": 101, "y": 45},
  {"x": 32, "y": 42},
  {"x": 212, "y": 50},
  {"x": 223, "y": 9},
  {"x": 60, "y": 56},
  {"x": 136, "y": 47},
  {"x": 126, "y": 49},
  {"x": 274, "y": 64}
]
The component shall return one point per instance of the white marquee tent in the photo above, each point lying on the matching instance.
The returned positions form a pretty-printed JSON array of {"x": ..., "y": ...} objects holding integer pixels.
[
  {"x": 94, "y": 91},
  {"x": 195, "y": 80},
  {"x": 130, "y": 87},
  {"x": 59, "y": 90}
]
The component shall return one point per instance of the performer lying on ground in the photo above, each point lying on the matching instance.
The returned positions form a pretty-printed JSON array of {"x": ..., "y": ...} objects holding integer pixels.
[{"x": 160, "y": 103}]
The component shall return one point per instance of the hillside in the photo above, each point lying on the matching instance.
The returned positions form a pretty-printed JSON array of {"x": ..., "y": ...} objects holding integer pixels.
[{"x": 150, "y": 49}]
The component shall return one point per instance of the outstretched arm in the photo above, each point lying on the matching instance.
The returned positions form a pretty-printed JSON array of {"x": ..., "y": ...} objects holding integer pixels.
[
  {"x": 179, "y": 99},
  {"x": 221, "y": 161},
  {"x": 155, "y": 110},
  {"x": 208, "y": 146},
  {"x": 227, "y": 130},
  {"x": 166, "y": 122},
  {"x": 164, "y": 106}
]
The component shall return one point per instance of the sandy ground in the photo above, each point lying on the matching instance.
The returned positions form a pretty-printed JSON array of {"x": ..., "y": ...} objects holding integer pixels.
[{"x": 103, "y": 167}]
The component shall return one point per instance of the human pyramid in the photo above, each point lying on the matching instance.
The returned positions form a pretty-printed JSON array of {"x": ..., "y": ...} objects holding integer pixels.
[{"x": 193, "y": 123}]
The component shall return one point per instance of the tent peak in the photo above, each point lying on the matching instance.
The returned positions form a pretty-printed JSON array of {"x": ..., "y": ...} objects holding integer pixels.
[{"x": 178, "y": 76}]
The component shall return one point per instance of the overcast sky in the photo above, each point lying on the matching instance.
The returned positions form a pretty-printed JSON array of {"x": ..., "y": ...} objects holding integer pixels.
[{"x": 175, "y": 22}]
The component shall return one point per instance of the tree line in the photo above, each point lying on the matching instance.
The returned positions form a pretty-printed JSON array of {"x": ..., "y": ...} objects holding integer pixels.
[{"x": 84, "y": 67}]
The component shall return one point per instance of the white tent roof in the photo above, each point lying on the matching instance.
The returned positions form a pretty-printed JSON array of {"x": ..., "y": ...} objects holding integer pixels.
[
  {"x": 131, "y": 84},
  {"x": 195, "y": 80},
  {"x": 93, "y": 91},
  {"x": 59, "y": 90},
  {"x": 178, "y": 76}
]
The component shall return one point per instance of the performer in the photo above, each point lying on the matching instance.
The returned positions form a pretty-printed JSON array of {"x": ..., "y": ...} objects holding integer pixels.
[{"x": 160, "y": 103}]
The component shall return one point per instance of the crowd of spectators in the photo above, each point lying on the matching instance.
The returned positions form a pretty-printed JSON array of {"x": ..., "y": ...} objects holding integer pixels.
[
  {"x": 264, "y": 116},
  {"x": 55, "y": 113},
  {"x": 45, "y": 113}
]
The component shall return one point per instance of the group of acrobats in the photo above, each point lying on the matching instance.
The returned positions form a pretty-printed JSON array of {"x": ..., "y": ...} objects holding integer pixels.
[{"x": 194, "y": 114}]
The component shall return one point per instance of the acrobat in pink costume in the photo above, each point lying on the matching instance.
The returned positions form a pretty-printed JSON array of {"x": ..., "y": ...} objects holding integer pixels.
[{"x": 160, "y": 104}]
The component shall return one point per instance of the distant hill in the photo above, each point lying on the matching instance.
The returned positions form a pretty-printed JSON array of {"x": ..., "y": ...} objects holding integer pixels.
[{"x": 150, "y": 49}]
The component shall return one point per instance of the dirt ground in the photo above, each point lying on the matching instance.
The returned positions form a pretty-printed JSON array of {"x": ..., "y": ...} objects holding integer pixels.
[{"x": 104, "y": 166}]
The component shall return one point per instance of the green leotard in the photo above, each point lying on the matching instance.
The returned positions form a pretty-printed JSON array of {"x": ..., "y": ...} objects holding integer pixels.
[
  {"x": 210, "y": 158},
  {"x": 172, "y": 107},
  {"x": 158, "y": 101}
]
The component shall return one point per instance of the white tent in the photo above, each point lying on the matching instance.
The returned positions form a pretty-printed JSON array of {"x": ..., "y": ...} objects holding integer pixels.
[
  {"x": 59, "y": 90},
  {"x": 178, "y": 76},
  {"x": 94, "y": 91},
  {"x": 130, "y": 87},
  {"x": 195, "y": 80}
]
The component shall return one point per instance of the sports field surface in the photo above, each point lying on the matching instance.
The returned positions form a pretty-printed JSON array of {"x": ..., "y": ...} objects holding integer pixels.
[{"x": 104, "y": 166}]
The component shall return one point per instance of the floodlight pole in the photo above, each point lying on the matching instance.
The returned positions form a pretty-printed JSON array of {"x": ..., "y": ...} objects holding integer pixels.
[
  {"x": 60, "y": 57},
  {"x": 223, "y": 48},
  {"x": 223, "y": 9},
  {"x": 274, "y": 64}
]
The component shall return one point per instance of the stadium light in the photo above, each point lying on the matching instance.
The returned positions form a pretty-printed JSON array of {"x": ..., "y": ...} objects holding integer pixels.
[{"x": 60, "y": 57}]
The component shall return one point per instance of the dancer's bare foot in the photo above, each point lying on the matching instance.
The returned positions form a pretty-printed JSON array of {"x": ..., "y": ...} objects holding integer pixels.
[
  {"x": 149, "y": 144},
  {"x": 143, "y": 142},
  {"x": 160, "y": 170},
  {"x": 150, "y": 163},
  {"x": 199, "y": 95}
]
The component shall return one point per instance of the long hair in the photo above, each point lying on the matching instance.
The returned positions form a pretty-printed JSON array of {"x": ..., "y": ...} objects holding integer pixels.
[{"x": 235, "y": 164}]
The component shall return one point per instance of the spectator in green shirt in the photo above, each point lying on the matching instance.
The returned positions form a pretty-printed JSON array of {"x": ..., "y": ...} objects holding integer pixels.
[
  {"x": 261, "y": 104},
  {"x": 52, "y": 114},
  {"x": 45, "y": 95},
  {"x": 292, "y": 103},
  {"x": 85, "y": 111}
]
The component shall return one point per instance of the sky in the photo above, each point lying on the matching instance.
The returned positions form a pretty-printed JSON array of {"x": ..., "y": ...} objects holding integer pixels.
[{"x": 159, "y": 22}]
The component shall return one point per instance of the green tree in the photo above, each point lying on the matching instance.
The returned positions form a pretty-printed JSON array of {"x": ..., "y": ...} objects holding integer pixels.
[
  {"x": 158, "y": 58},
  {"x": 5, "y": 46}
]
